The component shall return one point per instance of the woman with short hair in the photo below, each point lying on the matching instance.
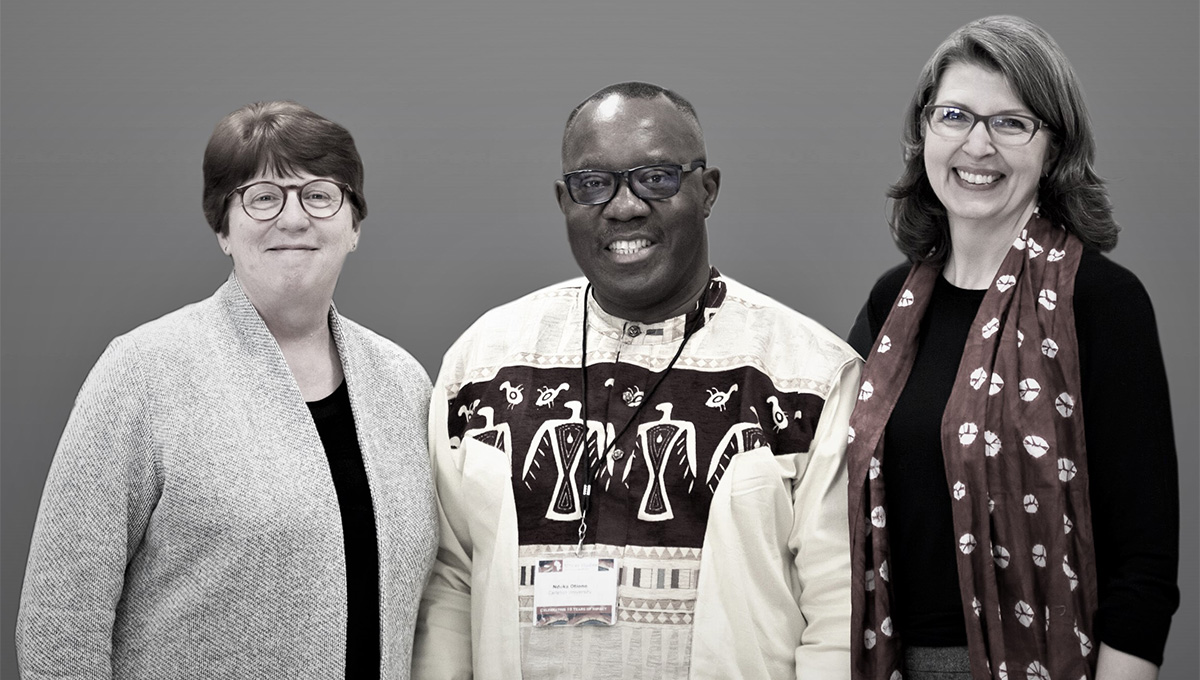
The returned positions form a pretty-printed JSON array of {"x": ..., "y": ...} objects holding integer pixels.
[{"x": 243, "y": 488}]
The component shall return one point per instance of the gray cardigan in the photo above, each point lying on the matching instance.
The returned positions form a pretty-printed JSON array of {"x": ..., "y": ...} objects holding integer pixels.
[{"x": 189, "y": 525}]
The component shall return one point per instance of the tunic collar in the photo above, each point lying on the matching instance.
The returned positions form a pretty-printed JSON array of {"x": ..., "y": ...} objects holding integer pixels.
[{"x": 668, "y": 331}]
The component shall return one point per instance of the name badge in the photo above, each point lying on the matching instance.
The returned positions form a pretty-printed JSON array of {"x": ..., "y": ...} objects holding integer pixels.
[{"x": 575, "y": 591}]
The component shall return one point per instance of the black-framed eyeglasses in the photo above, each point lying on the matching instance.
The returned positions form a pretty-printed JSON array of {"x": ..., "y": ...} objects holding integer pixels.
[
  {"x": 648, "y": 182},
  {"x": 1005, "y": 129},
  {"x": 319, "y": 198}
]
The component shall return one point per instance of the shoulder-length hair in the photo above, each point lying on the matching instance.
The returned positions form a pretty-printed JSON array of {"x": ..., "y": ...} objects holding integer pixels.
[
  {"x": 284, "y": 138},
  {"x": 1071, "y": 194}
]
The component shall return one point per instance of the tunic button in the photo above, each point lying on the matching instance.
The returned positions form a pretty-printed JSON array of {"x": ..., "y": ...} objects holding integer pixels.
[
  {"x": 634, "y": 331},
  {"x": 617, "y": 454}
]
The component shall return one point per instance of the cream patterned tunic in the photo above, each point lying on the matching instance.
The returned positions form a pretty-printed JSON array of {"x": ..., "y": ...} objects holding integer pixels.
[{"x": 719, "y": 500}]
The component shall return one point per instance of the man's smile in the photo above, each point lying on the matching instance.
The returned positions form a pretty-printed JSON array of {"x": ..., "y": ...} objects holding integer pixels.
[{"x": 630, "y": 250}]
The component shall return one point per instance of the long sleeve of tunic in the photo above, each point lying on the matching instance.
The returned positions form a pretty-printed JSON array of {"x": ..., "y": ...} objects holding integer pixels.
[{"x": 1134, "y": 485}]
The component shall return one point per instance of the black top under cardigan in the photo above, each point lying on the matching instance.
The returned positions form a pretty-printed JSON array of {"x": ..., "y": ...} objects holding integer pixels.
[{"x": 335, "y": 425}]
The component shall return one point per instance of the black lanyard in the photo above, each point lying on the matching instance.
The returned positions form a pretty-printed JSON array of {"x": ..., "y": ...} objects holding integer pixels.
[{"x": 690, "y": 326}]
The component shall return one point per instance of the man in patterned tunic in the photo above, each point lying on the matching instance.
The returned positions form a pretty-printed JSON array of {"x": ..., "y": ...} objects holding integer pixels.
[{"x": 698, "y": 459}]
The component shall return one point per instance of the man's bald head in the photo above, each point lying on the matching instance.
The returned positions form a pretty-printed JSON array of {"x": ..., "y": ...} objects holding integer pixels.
[{"x": 635, "y": 90}]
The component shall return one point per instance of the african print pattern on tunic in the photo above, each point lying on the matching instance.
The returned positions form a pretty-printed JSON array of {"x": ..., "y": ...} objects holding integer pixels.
[
  {"x": 654, "y": 486},
  {"x": 753, "y": 378}
]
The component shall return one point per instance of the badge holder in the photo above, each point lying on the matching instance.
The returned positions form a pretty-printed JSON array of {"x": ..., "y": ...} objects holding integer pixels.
[{"x": 569, "y": 590}]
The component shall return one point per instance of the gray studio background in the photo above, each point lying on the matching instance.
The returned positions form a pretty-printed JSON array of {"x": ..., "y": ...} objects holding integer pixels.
[{"x": 457, "y": 109}]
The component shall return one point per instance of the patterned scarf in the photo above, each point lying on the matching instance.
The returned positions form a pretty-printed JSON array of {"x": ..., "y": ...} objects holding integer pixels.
[{"x": 1012, "y": 439}]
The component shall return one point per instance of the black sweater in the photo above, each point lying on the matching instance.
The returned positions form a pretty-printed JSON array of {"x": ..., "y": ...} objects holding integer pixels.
[{"x": 1130, "y": 443}]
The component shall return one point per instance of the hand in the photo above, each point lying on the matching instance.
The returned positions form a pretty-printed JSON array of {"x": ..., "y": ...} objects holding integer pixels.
[{"x": 1117, "y": 665}]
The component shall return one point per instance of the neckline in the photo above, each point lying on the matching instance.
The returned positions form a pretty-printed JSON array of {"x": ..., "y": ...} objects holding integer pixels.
[
  {"x": 333, "y": 397},
  {"x": 944, "y": 286},
  {"x": 667, "y": 331}
]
